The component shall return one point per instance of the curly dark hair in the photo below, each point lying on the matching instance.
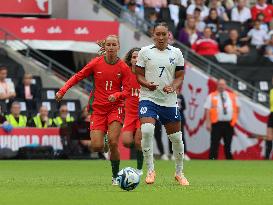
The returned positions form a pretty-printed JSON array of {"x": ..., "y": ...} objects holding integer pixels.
[
  {"x": 164, "y": 24},
  {"x": 128, "y": 56}
]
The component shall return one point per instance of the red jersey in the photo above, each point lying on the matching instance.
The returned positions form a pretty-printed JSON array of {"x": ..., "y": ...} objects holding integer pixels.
[
  {"x": 266, "y": 9},
  {"x": 108, "y": 80},
  {"x": 206, "y": 46},
  {"x": 131, "y": 102}
]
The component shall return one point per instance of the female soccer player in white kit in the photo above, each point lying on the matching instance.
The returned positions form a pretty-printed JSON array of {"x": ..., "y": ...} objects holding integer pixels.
[{"x": 160, "y": 71}]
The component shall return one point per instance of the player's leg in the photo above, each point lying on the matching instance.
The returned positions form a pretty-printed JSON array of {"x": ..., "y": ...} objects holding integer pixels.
[
  {"x": 128, "y": 139},
  {"x": 269, "y": 137},
  {"x": 128, "y": 130},
  {"x": 97, "y": 140},
  {"x": 139, "y": 154},
  {"x": 115, "y": 118},
  {"x": 131, "y": 137},
  {"x": 171, "y": 119},
  {"x": 98, "y": 128},
  {"x": 113, "y": 141},
  {"x": 148, "y": 115}
]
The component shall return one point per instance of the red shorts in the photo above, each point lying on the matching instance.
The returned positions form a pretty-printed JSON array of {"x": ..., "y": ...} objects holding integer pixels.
[
  {"x": 131, "y": 123},
  {"x": 102, "y": 118}
]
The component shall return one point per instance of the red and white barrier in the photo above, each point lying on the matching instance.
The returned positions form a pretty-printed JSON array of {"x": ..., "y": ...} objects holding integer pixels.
[
  {"x": 252, "y": 120},
  {"x": 20, "y": 137}
]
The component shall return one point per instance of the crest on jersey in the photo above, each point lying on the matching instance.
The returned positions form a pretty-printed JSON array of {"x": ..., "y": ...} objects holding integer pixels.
[
  {"x": 171, "y": 61},
  {"x": 119, "y": 75}
]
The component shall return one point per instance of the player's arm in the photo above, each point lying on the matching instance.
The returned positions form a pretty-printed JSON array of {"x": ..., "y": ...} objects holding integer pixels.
[
  {"x": 179, "y": 75},
  {"x": 85, "y": 72},
  {"x": 140, "y": 73}
]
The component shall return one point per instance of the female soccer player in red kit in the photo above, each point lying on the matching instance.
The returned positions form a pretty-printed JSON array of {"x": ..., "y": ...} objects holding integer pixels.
[
  {"x": 131, "y": 134},
  {"x": 109, "y": 74}
]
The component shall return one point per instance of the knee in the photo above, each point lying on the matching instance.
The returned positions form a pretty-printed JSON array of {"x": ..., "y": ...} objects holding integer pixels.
[
  {"x": 97, "y": 147},
  {"x": 127, "y": 142},
  {"x": 113, "y": 144},
  {"x": 176, "y": 137},
  {"x": 147, "y": 130}
]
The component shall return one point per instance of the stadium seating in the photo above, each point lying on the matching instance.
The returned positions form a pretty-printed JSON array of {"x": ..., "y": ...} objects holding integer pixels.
[
  {"x": 51, "y": 105},
  {"x": 48, "y": 93},
  {"x": 47, "y": 98}
]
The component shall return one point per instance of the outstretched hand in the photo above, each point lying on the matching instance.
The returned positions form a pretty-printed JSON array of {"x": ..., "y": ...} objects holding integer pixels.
[{"x": 58, "y": 97}]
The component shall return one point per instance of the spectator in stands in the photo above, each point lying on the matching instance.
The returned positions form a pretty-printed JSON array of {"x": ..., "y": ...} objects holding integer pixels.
[
  {"x": 2, "y": 118},
  {"x": 189, "y": 34},
  {"x": 198, "y": 4},
  {"x": 4, "y": 123},
  {"x": 26, "y": 90},
  {"x": 7, "y": 90},
  {"x": 155, "y": 3},
  {"x": 152, "y": 19},
  {"x": 133, "y": 14},
  {"x": 64, "y": 117},
  {"x": 234, "y": 45},
  {"x": 269, "y": 50},
  {"x": 221, "y": 11},
  {"x": 81, "y": 133},
  {"x": 241, "y": 13},
  {"x": 15, "y": 118},
  {"x": 222, "y": 109},
  {"x": 263, "y": 25},
  {"x": 171, "y": 38},
  {"x": 258, "y": 36},
  {"x": 174, "y": 7},
  {"x": 228, "y": 5},
  {"x": 206, "y": 46},
  {"x": 213, "y": 21},
  {"x": 200, "y": 25},
  {"x": 41, "y": 120},
  {"x": 262, "y": 7}
]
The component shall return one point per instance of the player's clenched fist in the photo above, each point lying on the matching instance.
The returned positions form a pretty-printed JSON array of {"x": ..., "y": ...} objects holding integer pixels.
[
  {"x": 112, "y": 98},
  {"x": 151, "y": 86},
  {"x": 168, "y": 89},
  {"x": 58, "y": 97}
]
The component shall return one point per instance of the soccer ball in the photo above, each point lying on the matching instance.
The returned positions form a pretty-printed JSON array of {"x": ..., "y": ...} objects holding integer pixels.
[{"x": 128, "y": 179}]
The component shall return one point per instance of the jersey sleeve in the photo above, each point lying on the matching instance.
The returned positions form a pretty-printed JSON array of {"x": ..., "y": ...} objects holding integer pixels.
[
  {"x": 141, "y": 59},
  {"x": 85, "y": 72},
  {"x": 180, "y": 61},
  {"x": 125, "y": 73}
]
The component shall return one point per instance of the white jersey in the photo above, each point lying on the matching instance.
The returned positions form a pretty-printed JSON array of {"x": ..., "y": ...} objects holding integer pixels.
[{"x": 160, "y": 67}]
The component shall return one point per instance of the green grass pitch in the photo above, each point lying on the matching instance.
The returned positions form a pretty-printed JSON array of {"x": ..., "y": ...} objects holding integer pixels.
[{"x": 89, "y": 183}]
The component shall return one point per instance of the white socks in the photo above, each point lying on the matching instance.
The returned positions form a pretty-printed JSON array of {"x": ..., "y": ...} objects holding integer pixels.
[
  {"x": 178, "y": 150},
  {"x": 147, "y": 130}
]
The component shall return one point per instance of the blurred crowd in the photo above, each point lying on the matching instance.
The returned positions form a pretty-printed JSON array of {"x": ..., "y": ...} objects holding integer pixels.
[{"x": 224, "y": 29}]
